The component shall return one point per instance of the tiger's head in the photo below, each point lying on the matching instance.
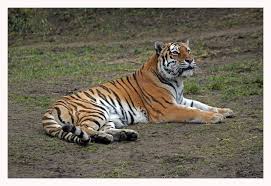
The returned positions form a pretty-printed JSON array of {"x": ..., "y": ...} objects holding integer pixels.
[{"x": 174, "y": 59}]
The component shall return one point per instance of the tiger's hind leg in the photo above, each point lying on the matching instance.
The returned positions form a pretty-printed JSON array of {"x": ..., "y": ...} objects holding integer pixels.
[
  {"x": 54, "y": 127},
  {"x": 95, "y": 136},
  {"x": 92, "y": 129},
  {"x": 119, "y": 134},
  {"x": 78, "y": 127}
]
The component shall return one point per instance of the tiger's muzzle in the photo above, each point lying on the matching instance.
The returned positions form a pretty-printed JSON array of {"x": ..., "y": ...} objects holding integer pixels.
[{"x": 186, "y": 66}]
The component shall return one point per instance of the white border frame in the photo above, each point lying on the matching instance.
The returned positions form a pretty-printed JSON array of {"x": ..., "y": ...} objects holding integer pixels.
[{"x": 5, "y": 4}]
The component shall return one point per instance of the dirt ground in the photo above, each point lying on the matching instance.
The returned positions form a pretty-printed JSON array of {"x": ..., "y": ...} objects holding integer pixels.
[{"x": 232, "y": 149}]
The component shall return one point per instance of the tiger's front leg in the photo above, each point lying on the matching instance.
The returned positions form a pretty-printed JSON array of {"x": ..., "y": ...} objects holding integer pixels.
[
  {"x": 180, "y": 113},
  {"x": 226, "y": 112}
]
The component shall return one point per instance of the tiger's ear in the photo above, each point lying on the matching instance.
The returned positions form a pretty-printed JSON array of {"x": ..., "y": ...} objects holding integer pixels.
[{"x": 158, "y": 45}]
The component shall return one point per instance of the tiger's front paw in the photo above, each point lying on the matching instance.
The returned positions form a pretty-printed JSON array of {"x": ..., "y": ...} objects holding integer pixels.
[
  {"x": 226, "y": 112},
  {"x": 103, "y": 138},
  {"x": 216, "y": 118},
  {"x": 128, "y": 134}
]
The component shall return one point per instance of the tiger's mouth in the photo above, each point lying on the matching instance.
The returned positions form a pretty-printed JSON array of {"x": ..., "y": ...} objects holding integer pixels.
[
  {"x": 185, "y": 69},
  {"x": 188, "y": 68}
]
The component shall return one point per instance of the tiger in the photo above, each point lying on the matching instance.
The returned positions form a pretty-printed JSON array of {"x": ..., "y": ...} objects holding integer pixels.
[{"x": 151, "y": 94}]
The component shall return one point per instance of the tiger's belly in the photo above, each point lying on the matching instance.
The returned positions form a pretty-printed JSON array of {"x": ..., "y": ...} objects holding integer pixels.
[
  {"x": 121, "y": 121},
  {"x": 123, "y": 114}
]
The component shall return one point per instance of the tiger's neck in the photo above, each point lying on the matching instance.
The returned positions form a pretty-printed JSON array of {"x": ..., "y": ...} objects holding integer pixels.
[
  {"x": 151, "y": 64},
  {"x": 150, "y": 74},
  {"x": 145, "y": 73}
]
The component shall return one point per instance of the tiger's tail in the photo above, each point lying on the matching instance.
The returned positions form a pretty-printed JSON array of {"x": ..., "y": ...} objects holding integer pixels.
[{"x": 67, "y": 132}]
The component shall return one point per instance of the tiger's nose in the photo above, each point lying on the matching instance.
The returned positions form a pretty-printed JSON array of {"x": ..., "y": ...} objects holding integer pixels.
[{"x": 189, "y": 60}]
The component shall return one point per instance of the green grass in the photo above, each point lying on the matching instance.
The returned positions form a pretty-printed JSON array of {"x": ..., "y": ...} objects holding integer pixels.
[
  {"x": 192, "y": 87},
  {"x": 54, "y": 64},
  {"x": 216, "y": 82},
  {"x": 30, "y": 64},
  {"x": 31, "y": 101},
  {"x": 200, "y": 49},
  {"x": 234, "y": 80}
]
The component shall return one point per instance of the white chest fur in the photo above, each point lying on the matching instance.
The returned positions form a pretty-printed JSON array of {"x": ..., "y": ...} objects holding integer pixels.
[{"x": 179, "y": 87}]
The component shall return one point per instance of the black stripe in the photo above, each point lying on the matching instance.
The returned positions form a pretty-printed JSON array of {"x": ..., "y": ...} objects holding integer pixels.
[
  {"x": 72, "y": 138},
  {"x": 77, "y": 94},
  {"x": 77, "y": 103},
  {"x": 142, "y": 91},
  {"x": 164, "y": 81},
  {"x": 71, "y": 117},
  {"x": 192, "y": 104},
  {"x": 62, "y": 103},
  {"x": 113, "y": 102},
  {"x": 74, "y": 96},
  {"x": 97, "y": 117},
  {"x": 102, "y": 117},
  {"x": 99, "y": 107},
  {"x": 71, "y": 104},
  {"x": 94, "y": 112},
  {"x": 96, "y": 122},
  {"x": 166, "y": 100},
  {"x": 92, "y": 120},
  {"x": 112, "y": 82},
  {"x": 170, "y": 63},
  {"x": 83, "y": 106},
  {"x": 127, "y": 92},
  {"x": 101, "y": 94},
  {"x": 89, "y": 96},
  {"x": 145, "y": 96},
  {"x": 45, "y": 118},
  {"x": 81, "y": 134},
  {"x": 132, "y": 85},
  {"x": 91, "y": 91},
  {"x": 105, "y": 99},
  {"x": 140, "y": 95},
  {"x": 73, "y": 129},
  {"x": 90, "y": 116},
  {"x": 132, "y": 117},
  {"x": 153, "y": 99},
  {"x": 58, "y": 114},
  {"x": 105, "y": 88},
  {"x": 110, "y": 103},
  {"x": 101, "y": 101},
  {"x": 128, "y": 96},
  {"x": 167, "y": 56},
  {"x": 124, "y": 115},
  {"x": 129, "y": 106},
  {"x": 117, "y": 98},
  {"x": 63, "y": 134}
]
